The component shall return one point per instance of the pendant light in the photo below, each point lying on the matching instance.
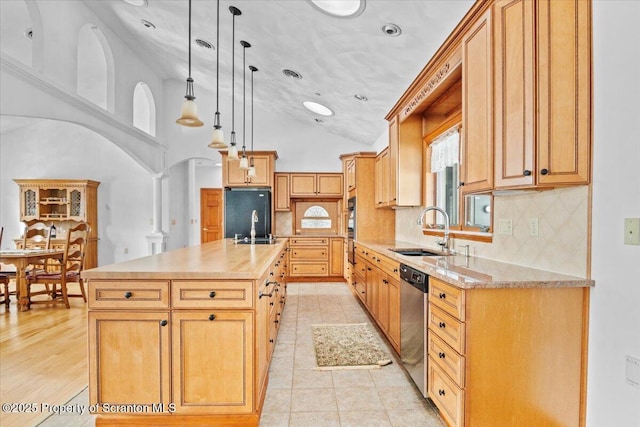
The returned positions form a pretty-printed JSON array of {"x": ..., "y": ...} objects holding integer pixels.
[
  {"x": 189, "y": 115},
  {"x": 252, "y": 169},
  {"x": 233, "y": 149},
  {"x": 217, "y": 140},
  {"x": 244, "y": 162}
]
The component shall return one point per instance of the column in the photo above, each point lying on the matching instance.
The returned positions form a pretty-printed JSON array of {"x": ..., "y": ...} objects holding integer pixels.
[{"x": 157, "y": 239}]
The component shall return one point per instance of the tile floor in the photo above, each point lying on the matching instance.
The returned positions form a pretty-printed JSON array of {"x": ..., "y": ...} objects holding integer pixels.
[{"x": 298, "y": 395}]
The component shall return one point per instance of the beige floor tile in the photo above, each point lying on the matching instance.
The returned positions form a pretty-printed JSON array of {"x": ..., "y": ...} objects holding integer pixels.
[
  {"x": 314, "y": 419},
  {"x": 309, "y": 400},
  {"x": 280, "y": 378},
  {"x": 352, "y": 378},
  {"x": 358, "y": 398},
  {"x": 365, "y": 419},
  {"x": 274, "y": 419},
  {"x": 395, "y": 398},
  {"x": 413, "y": 418},
  {"x": 390, "y": 377},
  {"x": 277, "y": 400},
  {"x": 312, "y": 379}
]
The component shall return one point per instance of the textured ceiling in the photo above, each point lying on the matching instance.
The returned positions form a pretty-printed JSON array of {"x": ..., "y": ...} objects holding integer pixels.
[{"x": 337, "y": 57}]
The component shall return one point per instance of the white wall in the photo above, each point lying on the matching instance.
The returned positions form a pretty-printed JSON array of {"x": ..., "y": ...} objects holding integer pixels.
[
  {"x": 615, "y": 300},
  {"x": 50, "y": 149}
]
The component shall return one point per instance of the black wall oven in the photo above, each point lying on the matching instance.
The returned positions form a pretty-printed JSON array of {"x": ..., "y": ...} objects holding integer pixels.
[{"x": 351, "y": 229}]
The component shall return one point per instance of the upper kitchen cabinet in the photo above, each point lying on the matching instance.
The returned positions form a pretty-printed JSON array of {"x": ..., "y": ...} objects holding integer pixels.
[
  {"x": 405, "y": 161},
  {"x": 316, "y": 185},
  {"x": 382, "y": 179},
  {"x": 281, "y": 197},
  {"x": 542, "y": 98},
  {"x": 476, "y": 174},
  {"x": 264, "y": 162}
]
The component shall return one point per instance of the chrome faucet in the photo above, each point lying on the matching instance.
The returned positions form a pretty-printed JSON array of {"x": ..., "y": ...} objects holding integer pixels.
[
  {"x": 444, "y": 243},
  {"x": 254, "y": 219}
]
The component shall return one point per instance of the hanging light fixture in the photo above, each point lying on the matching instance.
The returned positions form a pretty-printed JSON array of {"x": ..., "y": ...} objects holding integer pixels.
[
  {"x": 189, "y": 115},
  {"x": 233, "y": 149},
  {"x": 217, "y": 140},
  {"x": 244, "y": 162},
  {"x": 252, "y": 168}
]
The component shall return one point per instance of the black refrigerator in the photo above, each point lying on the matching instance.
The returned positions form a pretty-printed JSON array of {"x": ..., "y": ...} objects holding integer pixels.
[{"x": 239, "y": 203}]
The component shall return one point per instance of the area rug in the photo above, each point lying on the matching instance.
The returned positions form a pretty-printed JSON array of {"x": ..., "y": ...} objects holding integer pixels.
[{"x": 347, "y": 346}]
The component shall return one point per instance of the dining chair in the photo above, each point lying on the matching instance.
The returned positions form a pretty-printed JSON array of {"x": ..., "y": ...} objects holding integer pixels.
[
  {"x": 4, "y": 280},
  {"x": 70, "y": 268},
  {"x": 37, "y": 235}
]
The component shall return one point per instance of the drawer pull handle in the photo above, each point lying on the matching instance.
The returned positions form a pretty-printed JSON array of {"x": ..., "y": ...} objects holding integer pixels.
[
  {"x": 276, "y": 321},
  {"x": 212, "y": 317},
  {"x": 441, "y": 392},
  {"x": 441, "y": 355},
  {"x": 261, "y": 294},
  {"x": 163, "y": 323},
  {"x": 212, "y": 294},
  {"x": 442, "y": 296},
  {"x": 395, "y": 270},
  {"x": 544, "y": 172},
  {"x": 271, "y": 340},
  {"x": 271, "y": 303},
  {"x": 441, "y": 325},
  {"x": 128, "y": 295}
]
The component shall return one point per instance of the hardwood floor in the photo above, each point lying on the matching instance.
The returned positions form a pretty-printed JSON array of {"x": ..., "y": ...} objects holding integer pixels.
[{"x": 43, "y": 359}]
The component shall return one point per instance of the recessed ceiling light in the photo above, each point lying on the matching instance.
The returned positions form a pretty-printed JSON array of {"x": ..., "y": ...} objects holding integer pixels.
[
  {"x": 203, "y": 44},
  {"x": 29, "y": 33},
  {"x": 323, "y": 110},
  {"x": 141, "y": 3},
  {"x": 392, "y": 30},
  {"x": 292, "y": 74},
  {"x": 148, "y": 24},
  {"x": 360, "y": 97},
  {"x": 340, "y": 8},
  {"x": 318, "y": 120}
]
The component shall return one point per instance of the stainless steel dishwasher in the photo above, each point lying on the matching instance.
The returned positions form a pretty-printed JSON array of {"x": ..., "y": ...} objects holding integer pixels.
[{"x": 413, "y": 302}]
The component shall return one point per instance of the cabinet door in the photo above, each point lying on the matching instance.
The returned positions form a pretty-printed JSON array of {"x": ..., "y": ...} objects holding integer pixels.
[
  {"x": 394, "y": 312},
  {"x": 514, "y": 93},
  {"x": 263, "y": 172},
  {"x": 303, "y": 184},
  {"x": 337, "y": 256},
  {"x": 129, "y": 356},
  {"x": 329, "y": 184},
  {"x": 393, "y": 159},
  {"x": 29, "y": 204},
  {"x": 282, "y": 192},
  {"x": 351, "y": 175},
  {"x": 378, "y": 177},
  {"x": 232, "y": 174},
  {"x": 564, "y": 92},
  {"x": 77, "y": 204},
  {"x": 477, "y": 108},
  {"x": 212, "y": 361},
  {"x": 383, "y": 301}
]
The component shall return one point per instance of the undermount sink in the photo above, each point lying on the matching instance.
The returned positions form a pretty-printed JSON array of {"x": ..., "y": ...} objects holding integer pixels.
[{"x": 415, "y": 252}]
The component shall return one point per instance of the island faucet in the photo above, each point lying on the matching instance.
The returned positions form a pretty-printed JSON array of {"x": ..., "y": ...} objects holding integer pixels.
[
  {"x": 444, "y": 243},
  {"x": 254, "y": 219}
]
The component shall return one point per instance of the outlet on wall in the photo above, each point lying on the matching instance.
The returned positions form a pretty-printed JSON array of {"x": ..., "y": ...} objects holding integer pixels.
[
  {"x": 633, "y": 371},
  {"x": 533, "y": 227},
  {"x": 505, "y": 226},
  {"x": 632, "y": 231}
]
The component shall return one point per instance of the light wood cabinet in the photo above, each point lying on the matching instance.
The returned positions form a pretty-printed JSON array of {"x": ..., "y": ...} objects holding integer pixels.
[
  {"x": 62, "y": 202},
  {"x": 480, "y": 339},
  {"x": 476, "y": 169},
  {"x": 405, "y": 161},
  {"x": 264, "y": 162},
  {"x": 351, "y": 175},
  {"x": 316, "y": 185},
  {"x": 316, "y": 256},
  {"x": 382, "y": 180},
  {"x": 336, "y": 249},
  {"x": 282, "y": 202}
]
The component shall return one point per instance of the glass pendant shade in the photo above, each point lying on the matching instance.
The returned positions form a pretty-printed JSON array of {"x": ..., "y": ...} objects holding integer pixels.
[
  {"x": 244, "y": 163},
  {"x": 233, "y": 150},
  {"x": 189, "y": 114},
  {"x": 217, "y": 139},
  {"x": 252, "y": 172}
]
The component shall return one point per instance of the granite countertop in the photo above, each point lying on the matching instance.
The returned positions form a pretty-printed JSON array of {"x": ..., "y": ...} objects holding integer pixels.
[
  {"x": 221, "y": 259},
  {"x": 476, "y": 272}
]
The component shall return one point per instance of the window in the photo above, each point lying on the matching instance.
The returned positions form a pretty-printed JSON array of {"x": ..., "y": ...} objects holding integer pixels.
[
  {"x": 316, "y": 217},
  {"x": 445, "y": 164},
  {"x": 144, "y": 109}
]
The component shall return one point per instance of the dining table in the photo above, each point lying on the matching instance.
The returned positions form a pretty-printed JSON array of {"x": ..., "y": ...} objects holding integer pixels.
[{"x": 21, "y": 259}]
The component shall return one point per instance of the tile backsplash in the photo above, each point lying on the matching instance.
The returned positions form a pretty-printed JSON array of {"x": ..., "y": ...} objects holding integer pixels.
[
  {"x": 284, "y": 223},
  {"x": 561, "y": 245}
]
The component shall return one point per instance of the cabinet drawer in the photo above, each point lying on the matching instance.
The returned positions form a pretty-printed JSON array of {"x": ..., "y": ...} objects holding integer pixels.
[
  {"x": 308, "y": 241},
  {"x": 360, "y": 288},
  {"x": 446, "y": 395},
  {"x": 310, "y": 253},
  {"x": 128, "y": 294},
  {"x": 447, "y": 297},
  {"x": 389, "y": 266},
  {"x": 447, "y": 328},
  {"x": 448, "y": 360},
  {"x": 211, "y": 294},
  {"x": 309, "y": 268}
]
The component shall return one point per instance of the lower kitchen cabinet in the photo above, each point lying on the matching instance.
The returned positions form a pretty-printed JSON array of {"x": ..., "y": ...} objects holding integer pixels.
[{"x": 316, "y": 256}]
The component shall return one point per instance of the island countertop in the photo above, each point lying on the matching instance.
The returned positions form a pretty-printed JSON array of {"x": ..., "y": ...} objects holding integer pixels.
[
  {"x": 476, "y": 272},
  {"x": 219, "y": 259}
]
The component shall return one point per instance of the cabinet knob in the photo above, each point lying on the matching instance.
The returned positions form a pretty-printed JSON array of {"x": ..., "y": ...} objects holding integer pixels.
[
  {"x": 544, "y": 172},
  {"x": 441, "y": 325},
  {"x": 441, "y": 355},
  {"x": 526, "y": 172},
  {"x": 395, "y": 270},
  {"x": 163, "y": 323},
  {"x": 461, "y": 183},
  {"x": 442, "y": 296},
  {"x": 212, "y": 317},
  {"x": 212, "y": 294},
  {"x": 128, "y": 295},
  {"x": 271, "y": 340},
  {"x": 441, "y": 392}
]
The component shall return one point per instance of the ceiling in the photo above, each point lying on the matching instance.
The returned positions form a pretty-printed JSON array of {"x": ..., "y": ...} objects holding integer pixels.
[{"x": 337, "y": 57}]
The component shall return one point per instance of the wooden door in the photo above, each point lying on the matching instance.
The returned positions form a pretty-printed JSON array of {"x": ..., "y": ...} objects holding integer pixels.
[
  {"x": 564, "y": 92},
  {"x": 212, "y": 361},
  {"x": 282, "y": 192},
  {"x": 477, "y": 107},
  {"x": 129, "y": 358},
  {"x": 211, "y": 213},
  {"x": 337, "y": 256},
  {"x": 394, "y": 312},
  {"x": 303, "y": 184},
  {"x": 514, "y": 93},
  {"x": 329, "y": 184}
]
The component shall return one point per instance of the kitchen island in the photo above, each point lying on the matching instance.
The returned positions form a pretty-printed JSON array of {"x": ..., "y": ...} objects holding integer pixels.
[
  {"x": 185, "y": 337},
  {"x": 505, "y": 344}
]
